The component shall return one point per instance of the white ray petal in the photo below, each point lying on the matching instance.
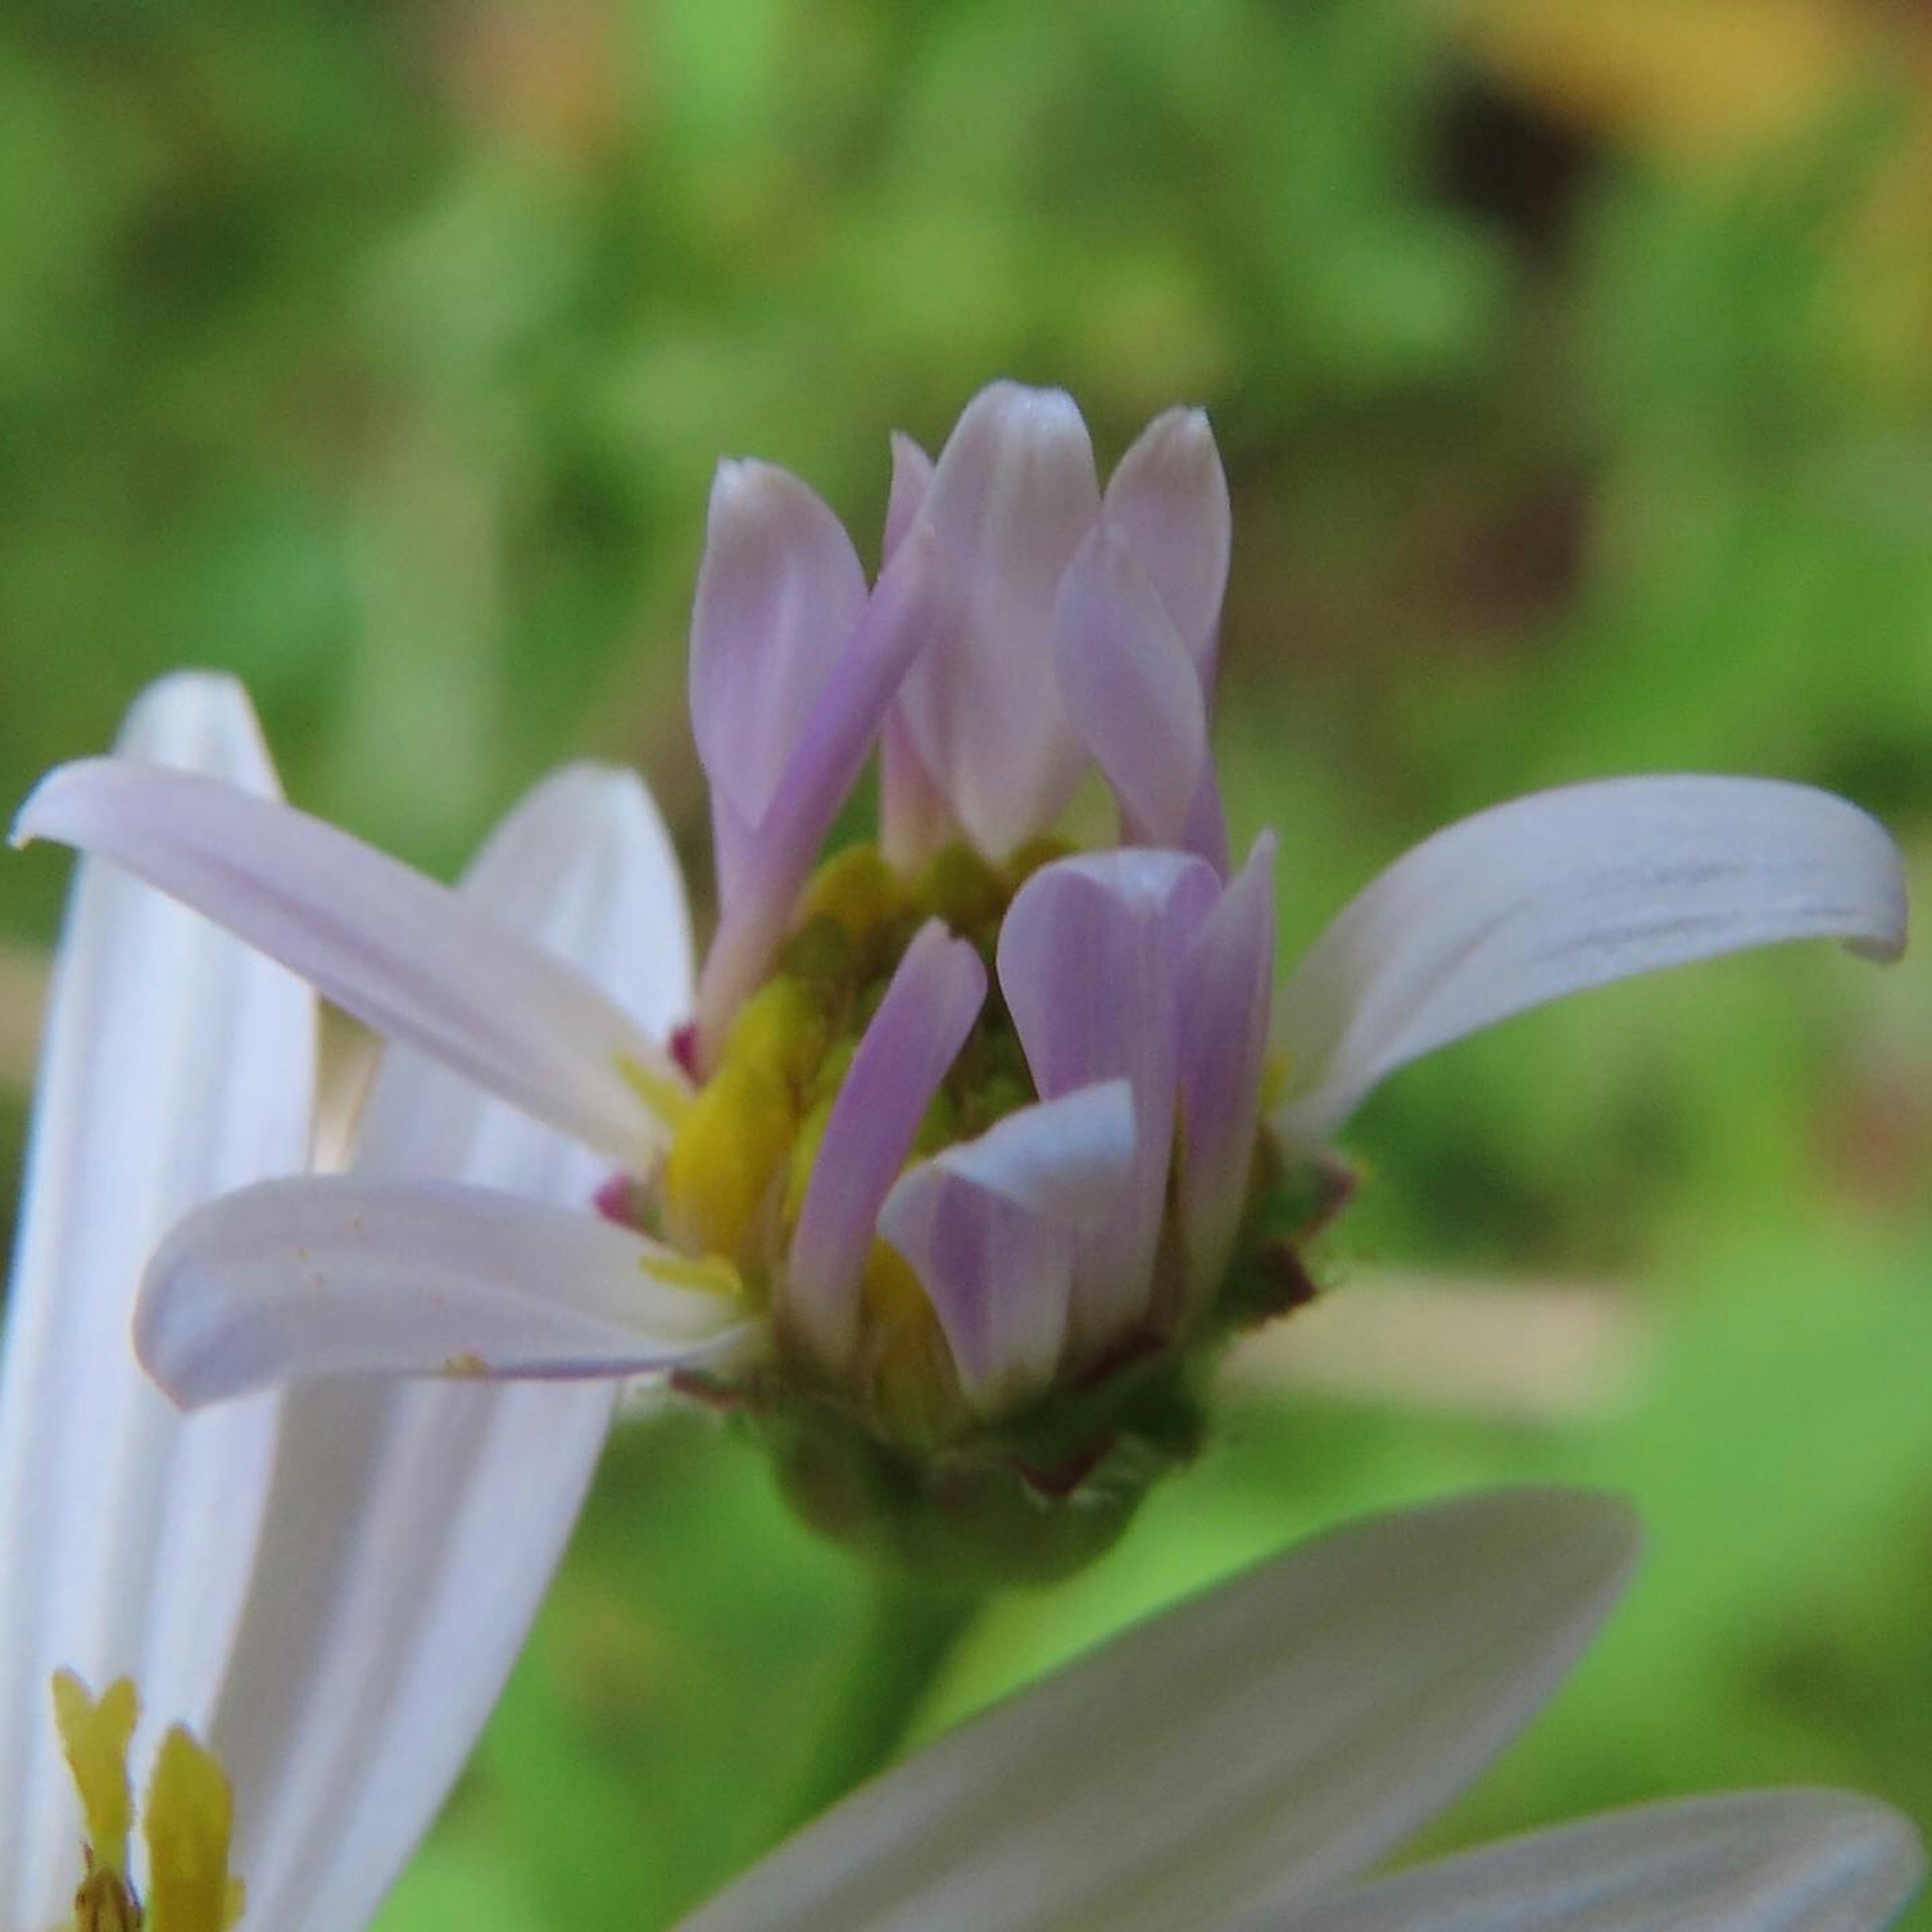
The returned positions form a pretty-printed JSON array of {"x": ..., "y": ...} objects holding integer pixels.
[
  {"x": 177, "y": 1063},
  {"x": 428, "y": 1519},
  {"x": 1751, "y": 1862},
  {"x": 1566, "y": 889},
  {"x": 294, "y": 1279},
  {"x": 411, "y": 958},
  {"x": 1265, "y": 1740}
]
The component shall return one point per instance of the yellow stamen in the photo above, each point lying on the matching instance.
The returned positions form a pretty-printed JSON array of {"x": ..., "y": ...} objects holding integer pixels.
[
  {"x": 188, "y": 1821},
  {"x": 908, "y": 1363},
  {"x": 780, "y": 1029},
  {"x": 740, "y": 1127},
  {"x": 858, "y": 889},
  {"x": 709, "y": 1276},
  {"x": 804, "y": 1157},
  {"x": 94, "y": 1736},
  {"x": 719, "y": 1168},
  {"x": 665, "y": 1097},
  {"x": 892, "y": 1291},
  {"x": 105, "y": 1904},
  {"x": 959, "y": 886},
  {"x": 1033, "y": 855},
  {"x": 1275, "y": 1071}
]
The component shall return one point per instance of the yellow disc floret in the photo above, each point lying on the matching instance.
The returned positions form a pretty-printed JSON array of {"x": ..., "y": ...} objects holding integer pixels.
[
  {"x": 858, "y": 889},
  {"x": 95, "y": 1732},
  {"x": 188, "y": 1820},
  {"x": 719, "y": 1175},
  {"x": 906, "y": 1367},
  {"x": 741, "y": 1162}
]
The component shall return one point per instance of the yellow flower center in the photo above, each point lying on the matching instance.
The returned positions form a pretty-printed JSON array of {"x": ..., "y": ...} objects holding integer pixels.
[
  {"x": 735, "y": 1179},
  {"x": 186, "y": 1818}
]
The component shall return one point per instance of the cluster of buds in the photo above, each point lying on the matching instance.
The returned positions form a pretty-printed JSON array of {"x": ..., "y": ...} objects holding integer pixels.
[{"x": 977, "y": 1147}]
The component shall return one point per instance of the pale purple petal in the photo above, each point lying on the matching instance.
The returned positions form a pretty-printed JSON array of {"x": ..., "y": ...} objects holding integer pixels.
[
  {"x": 990, "y": 1227},
  {"x": 404, "y": 954},
  {"x": 1567, "y": 890},
  {"x": 999, "y": 1278},
  {"x": 1066, "y": 1159},
  {"x": 1749, "y": 1861},
  {"x": 175, "y": 1063},
  {"x": 779, "y": 594},
  {"x": 916, "y": 1034},
  {"x": 912, "y": 609},
  {"x": 1169, "y": 495},
  {"x": 1077, "y": 1015},
  {"x": 1013, "y": 496},
  {"x": 912, "y": 477},
  {"x": 424, "y": 1520},
  {"x": 1090, "y": 961},
  {"x": 1130, "y": 689},
  {"x": 1264, "y": 1741},
  {"x": 1206, "y": 830},
  {"x": 915, "y": 822},
  {"x": 292, "y": 1279},
  {"x": 1226, "y": 987}
]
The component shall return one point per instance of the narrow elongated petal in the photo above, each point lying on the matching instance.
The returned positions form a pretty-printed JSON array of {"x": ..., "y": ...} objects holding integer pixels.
[
  {"x": 999, "y": 1278},
  {"x": 425, "y": 1519},
  {"x": 1207, "y": 832},
  {"x": 928, "y": 1011},
  {"x": 1567, "y": 890},
  {"x": 1090, "y": 960},
  {"x": 912, "y": 477},
  {"x": 1226, "y": 986},
  {"x": 1168, "y": 494},
  {"x": 1077, "y": 1015},
  {"x": 914, "y": 820},
  {"x": 1012, "y": 498},
  {"x": 1065, "y": 1160},
  {"x": 779, "y": 594},
  {"x": 408, "y": 956},
  {"x": 1130, "y": 689},
  {"x": 1262, "y": 1742},
  {"x": 990, "y": 1227},
  {"x": 176, "y": 1063},
  {"x": 294, "y": 1279},
  {"x": 1754, "y": 1862},
  {"x": 912, "y": 609}
]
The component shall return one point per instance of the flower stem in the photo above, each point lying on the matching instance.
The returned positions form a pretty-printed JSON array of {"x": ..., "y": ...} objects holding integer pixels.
[{"x": 912, "y": 1629}]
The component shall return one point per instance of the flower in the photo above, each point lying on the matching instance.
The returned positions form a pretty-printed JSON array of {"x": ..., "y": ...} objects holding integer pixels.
[
  {"x": 977, "y": 1147},
  {"x": 294, "y": 1578},
  {"x": 1239, "y": 1761}
]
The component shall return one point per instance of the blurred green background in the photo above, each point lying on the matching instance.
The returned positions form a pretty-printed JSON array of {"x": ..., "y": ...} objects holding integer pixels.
[{"x": 1573, "y": 367}]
